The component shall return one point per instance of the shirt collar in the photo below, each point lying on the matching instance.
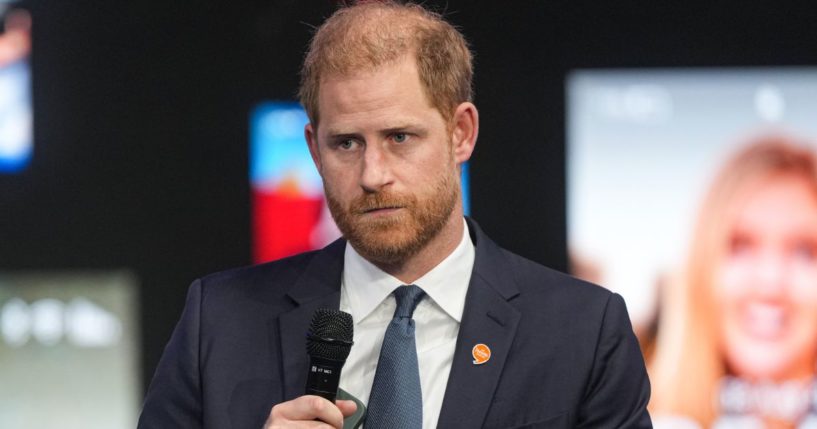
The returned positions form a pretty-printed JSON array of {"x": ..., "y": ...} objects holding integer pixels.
[{"x": 446, "y": 284}]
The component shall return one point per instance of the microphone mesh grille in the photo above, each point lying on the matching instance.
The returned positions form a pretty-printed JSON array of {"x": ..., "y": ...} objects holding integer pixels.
[{"x": 328, "y": 326}]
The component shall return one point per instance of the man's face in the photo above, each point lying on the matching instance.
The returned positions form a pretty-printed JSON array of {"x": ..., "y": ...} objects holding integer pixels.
[{"x": 387, "y": 160}]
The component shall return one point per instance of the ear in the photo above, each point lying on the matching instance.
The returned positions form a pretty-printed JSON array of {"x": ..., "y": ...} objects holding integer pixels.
[
  {"x": 312, "y": 142},
  {"x": 464, "y": 131}
]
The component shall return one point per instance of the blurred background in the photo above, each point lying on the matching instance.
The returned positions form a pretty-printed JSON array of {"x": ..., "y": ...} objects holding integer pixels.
[{"x": 145, "y": 144}]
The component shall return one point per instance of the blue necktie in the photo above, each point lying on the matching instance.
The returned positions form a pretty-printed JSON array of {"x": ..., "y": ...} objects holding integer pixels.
[{"x": 396, "y": 401}]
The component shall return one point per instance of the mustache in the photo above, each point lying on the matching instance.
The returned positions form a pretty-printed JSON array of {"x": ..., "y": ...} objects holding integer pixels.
[{"x": 380, "y": 200}]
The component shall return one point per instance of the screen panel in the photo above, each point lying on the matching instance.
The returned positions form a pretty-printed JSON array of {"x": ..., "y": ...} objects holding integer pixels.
[
  {"x": 68, "y": 350},
  {"x": 692, "y": 193},
  {"x": 16, "y": 141}
]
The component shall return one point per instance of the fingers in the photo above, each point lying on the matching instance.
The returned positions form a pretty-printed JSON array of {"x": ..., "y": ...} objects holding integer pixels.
[
  {"x": 347, "y": 408},
  {"x": 302, "y": 412}
]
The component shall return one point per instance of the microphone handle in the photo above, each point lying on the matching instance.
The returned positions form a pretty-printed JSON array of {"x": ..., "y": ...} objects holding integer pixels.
[{"x": 324, "y": 377}]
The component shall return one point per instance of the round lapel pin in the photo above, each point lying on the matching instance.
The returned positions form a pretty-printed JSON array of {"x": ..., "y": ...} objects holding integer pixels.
[{"x": 481, "y": 354}]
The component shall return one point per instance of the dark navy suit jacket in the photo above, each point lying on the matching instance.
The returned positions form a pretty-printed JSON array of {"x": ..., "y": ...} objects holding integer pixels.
[{"x": 563, "y": 351}]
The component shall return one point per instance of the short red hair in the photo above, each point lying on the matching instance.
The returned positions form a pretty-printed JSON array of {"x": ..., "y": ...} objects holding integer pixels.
[{"x": 373, "y": 33}]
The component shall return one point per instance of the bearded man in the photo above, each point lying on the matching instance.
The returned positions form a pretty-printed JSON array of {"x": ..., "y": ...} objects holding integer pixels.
[{"x": 496, "y": 340}]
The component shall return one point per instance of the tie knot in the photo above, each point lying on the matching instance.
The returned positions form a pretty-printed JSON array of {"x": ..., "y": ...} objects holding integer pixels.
[{"x": 407, "y": 299}]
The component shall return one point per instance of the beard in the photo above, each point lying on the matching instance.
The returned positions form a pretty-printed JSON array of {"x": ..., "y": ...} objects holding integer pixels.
[{"x": 396, "y": 237}]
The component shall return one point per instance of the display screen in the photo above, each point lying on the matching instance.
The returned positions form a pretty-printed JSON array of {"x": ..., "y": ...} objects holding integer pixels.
[
  {"x": 693, "y": 193},
  {"x": 68, "y": 350},
  {"x": 16, "y": 142},
  {"x": 290, "y": 214}
]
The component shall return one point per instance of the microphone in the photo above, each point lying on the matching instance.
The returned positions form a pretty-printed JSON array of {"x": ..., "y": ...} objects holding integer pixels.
[{"x": 328, "y": 344}]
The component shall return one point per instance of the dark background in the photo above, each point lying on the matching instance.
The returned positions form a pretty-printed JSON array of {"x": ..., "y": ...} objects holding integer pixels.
[{"x": 142, "y": 112}]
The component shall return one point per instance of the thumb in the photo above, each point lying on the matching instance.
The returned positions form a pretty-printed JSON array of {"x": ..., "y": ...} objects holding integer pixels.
[{"x": 347, "y": 408}]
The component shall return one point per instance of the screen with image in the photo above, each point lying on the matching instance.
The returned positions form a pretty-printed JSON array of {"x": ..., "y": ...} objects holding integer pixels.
[
  {"x": 16, "y": 143},
  {"x": 68, "y": 350},
  {"x": 290, "y": 214},
  {"x": 693, "y": 194}
]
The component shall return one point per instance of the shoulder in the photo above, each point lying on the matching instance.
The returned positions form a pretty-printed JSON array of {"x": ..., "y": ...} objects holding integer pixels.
[
  {"x": 536, "y": 281},
  {"x": 540, "y": 294},
  {"x": 572, "y": 313},
  {"x": 510, "y": 273},
  {"x": 254, "y": 275},
  {"x": 269, "y": 282}
]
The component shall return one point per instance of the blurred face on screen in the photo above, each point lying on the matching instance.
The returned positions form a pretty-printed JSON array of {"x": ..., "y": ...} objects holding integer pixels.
[
  {"x": 387, "y": 161},
  {"x": 768, "y": 282}
]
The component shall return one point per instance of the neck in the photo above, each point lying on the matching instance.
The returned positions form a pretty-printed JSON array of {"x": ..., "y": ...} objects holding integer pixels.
[{"x": 442, "y": 245}]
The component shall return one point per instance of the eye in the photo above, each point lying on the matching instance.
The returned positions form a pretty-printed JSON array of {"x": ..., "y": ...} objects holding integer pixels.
[
  {"x": 740, "y": 245},
  {"x": 805, "y": 251},
  {"x": 400, "y": 137},
  {"x": 346, "y": 144}
]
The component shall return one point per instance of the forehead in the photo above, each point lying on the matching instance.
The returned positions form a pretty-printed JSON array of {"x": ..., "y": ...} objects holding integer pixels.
[
  {"x": 779, "y": 202},
  {"x": 391, "y": 92}
]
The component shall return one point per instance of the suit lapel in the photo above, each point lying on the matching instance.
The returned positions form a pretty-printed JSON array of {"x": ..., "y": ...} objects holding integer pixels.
[
  {"x": 488, "y": 319},
  {"x": 318, "y": 287}
]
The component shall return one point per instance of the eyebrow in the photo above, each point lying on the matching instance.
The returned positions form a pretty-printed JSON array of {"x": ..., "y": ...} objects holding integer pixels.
[
  {"x": 403, "y": 128},
  {"x": 419, "y": 129},
  {"x": 340, "y": 135}
]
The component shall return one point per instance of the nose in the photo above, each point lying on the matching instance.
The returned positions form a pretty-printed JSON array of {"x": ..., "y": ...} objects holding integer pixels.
[
  {"x": 376, "y": 169},
  {"x": 771, "y": 275}
]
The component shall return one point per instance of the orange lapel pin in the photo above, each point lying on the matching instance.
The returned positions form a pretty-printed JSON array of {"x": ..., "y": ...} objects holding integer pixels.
[{"x": 481, "y": 354}]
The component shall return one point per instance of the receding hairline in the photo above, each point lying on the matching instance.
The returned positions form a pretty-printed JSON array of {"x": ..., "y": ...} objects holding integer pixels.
[{"x": 371, "y": 35}]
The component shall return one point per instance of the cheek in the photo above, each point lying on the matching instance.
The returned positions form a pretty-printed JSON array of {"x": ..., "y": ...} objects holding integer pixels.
[
  {"x": 803, "y": 288},
  {"x": 422, "y": 172},
  {"x": 733, "y": 285},
  {"x": 733, "y": 281},
  {"x": 336, "y": 174}
]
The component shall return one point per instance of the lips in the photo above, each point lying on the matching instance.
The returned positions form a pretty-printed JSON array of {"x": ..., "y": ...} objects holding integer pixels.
[
  {"x": 380, "y": 209},
  {"x": 371, "y": 209},
  {"x": 765, "y": 321}
]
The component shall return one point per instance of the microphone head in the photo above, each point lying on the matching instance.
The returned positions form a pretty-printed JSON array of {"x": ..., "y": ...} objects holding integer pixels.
[{"x": 330, "y": 334}]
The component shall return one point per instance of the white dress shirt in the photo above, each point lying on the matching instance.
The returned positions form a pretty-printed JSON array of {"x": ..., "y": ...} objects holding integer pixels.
[{"x": 366, "y": 295}]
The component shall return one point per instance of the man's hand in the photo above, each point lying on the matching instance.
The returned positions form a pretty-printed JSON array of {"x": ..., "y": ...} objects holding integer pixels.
[{"x": 309, "y": 411}]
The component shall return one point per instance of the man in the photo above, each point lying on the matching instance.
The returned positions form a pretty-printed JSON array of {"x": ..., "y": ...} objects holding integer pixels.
[{"x": 500, "y": 341}]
